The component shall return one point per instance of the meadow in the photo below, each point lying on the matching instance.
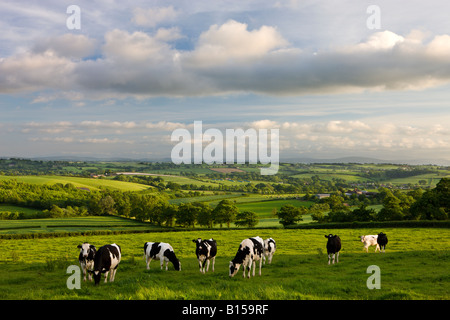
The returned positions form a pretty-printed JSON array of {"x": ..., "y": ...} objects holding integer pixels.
[
  {"x": 415, "y": 266},
  {"x": 79, "y": 182}
]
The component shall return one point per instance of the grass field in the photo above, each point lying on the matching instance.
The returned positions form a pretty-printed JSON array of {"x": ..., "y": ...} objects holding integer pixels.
[
  {"x": 415, "y": 266},
  {"x": 76, "y": 224},
  {"x": 90, "y": 183}
]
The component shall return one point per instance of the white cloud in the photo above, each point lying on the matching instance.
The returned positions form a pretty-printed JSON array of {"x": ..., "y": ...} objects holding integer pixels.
[
  {"x": 226, "y": 58},
  {"x": 67, "y": 45},
  {"x": 232, "y": 43}
]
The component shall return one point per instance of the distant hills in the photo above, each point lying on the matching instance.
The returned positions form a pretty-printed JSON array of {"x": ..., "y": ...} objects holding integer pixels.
[{"x": 350, "y": 159}]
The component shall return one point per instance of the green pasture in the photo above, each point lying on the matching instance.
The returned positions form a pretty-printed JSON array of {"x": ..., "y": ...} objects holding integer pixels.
[
  {"x": 75, "y": 224},
  {"x": 90, "y": 183},
  {"x": 415, "y": 266}
]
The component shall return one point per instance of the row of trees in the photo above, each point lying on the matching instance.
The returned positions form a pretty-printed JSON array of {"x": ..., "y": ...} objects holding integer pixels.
[
  {"x": 417, "y": 204},
  {"x": 58, "y": 201}
]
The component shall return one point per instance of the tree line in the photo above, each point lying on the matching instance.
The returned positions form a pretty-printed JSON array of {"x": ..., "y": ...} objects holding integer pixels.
[
  {"x": 432, "y": 204},
  {"x": 59, "y": 200}
]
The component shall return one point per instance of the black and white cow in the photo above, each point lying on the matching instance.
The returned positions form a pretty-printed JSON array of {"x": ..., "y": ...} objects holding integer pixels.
[
  {"x": 333, "y": 247},
  {"x": 163, "y": 252},
  {"x": 382, "y": 241},
  {"x": 269, "y": 249},
  {"x": 106, "y": 260},
  {"x": 206, "y": 251},
  {"x": 250, "y": 250},
  {"x": 86, "y": 259}
]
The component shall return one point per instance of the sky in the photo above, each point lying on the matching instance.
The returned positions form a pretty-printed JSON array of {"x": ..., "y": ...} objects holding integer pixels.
[{"x": 115, "y": 79}]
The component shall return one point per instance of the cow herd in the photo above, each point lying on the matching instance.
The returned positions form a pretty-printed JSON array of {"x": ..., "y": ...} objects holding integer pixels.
[{"x": 251, "y": 250}]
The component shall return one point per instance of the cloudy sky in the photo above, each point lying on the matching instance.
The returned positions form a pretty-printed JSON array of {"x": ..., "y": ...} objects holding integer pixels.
[{"x": 337, "y": 78}]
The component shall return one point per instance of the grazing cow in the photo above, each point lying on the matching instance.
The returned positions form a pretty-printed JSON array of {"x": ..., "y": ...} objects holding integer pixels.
[
  {"x": 250, "y": 250},
  {"x": 206, "y": 251},
  {"x": 106, "y": 260},
  {"x": 163, "y": 252},
  {"x": 86, "y": 258},
  {"x": 370, "y": 240},
  {"x": 333, "y": 247},
  {"x": 269, "y": 249},
  {"x": 382, "y": 241}
]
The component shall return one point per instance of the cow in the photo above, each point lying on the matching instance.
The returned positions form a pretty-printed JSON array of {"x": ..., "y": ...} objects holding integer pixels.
[
  {"x": 370, "y": 240},
  {"x": 106, "y": 261},
  {"x": 163, "y": 252},
  {"x": 86, "y": 258},
  {"x": 206, "y": 251},
  {"x": 250, "y": 250},
  {"x": 382, "y": 241},
  {"x": 333, "y": 247},
  {"x": 269, "y": 249}
]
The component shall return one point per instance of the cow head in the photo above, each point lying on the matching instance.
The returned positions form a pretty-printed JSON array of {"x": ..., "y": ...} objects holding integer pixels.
[
  {"x": 198, "y": 242},
  {"x": 97, "y": 276},
  {"x": 177, "y": 265},
  {"x": 85, "y": 249},
  {"x": 234, "y": 268},
  {"x": 363, "y": 238}
]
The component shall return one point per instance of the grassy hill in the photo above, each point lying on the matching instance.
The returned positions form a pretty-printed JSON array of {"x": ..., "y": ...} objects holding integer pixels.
[{"x": 79, "y": 182}]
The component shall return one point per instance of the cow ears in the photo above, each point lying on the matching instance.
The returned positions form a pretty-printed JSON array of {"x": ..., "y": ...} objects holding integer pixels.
[
  {"x": 79, "y": 246},
  {"x": 92, "y": 246}
]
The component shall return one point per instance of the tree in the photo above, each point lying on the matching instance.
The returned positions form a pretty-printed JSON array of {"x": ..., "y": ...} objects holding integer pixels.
[
  {"x": 168, "y": 214},
  {"x": 289, "y": 215},
  {"x": 246, "y": 219},
  {"x": 391, "y": 208},
  {"x": 363, "y": 214},
  {"x": 225, "y": 212},
  {"x": 186, "y": 214},
  {"x": 434, "y": 203},
  {"x": 107, "y": 205},
  {"x": 204, "y": 215},
  {"x": 318, "y": 210}
]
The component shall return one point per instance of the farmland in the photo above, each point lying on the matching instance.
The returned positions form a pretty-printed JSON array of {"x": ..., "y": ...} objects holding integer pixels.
[
  {"x": 299, "y": 269},
  {"x": 54, "y": 206}
]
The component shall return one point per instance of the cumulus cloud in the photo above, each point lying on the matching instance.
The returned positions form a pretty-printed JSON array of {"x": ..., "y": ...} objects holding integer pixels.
[
  {"x": 233, "y": 43},
  {"x": 227, "y": 58},
  {"x": 66, "y": 45}
]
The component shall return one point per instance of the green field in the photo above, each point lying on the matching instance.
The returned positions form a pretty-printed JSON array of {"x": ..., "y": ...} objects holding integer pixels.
[
  {"x": 415, "y": 266},
  {"x": 90, "y": 183},
  {"x": 76, "y": 224}
]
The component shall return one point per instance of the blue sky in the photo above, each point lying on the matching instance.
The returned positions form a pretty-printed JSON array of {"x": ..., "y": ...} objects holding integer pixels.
[{"x": 134, "y": 72}]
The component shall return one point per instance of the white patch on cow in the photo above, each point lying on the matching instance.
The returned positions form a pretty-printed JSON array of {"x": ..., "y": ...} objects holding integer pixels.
[{"x": 114, "y": 263}]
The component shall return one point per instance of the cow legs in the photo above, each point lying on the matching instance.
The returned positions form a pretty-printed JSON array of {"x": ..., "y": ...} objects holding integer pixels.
[
  {"x": 113, "y": 275},
  {"x": 337, "y": 257},
  {"x": 148, "y": 263},
  {"x": 260, "y": 265},
  {"x": 207, "y": 265},
  {"x": 213, "y": 262},
  {"x": 377, "y": 247},
  {"x": 200, "y": 264},
  {"x": 84, "y": 273}
]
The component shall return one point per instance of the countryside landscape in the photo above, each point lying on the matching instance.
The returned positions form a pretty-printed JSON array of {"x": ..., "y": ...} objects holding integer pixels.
[
  {"x": 174, "y": 128},
  {"x": 48, "y": 208}
]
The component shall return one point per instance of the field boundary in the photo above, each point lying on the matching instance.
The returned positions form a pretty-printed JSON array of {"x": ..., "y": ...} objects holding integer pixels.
[
  {"x": 343, "y": 225},
  {"x": 375, "y": 224}
]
